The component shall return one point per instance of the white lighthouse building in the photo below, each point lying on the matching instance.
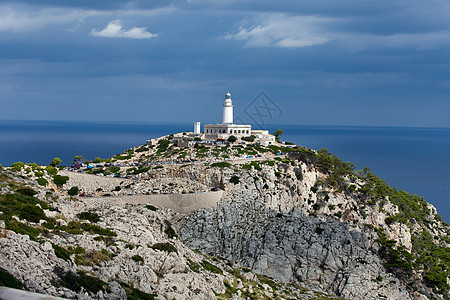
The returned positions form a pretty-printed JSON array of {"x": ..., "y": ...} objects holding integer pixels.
[
  {"x": 228, "y": 109},
  {"x": 227, "y": 128}
]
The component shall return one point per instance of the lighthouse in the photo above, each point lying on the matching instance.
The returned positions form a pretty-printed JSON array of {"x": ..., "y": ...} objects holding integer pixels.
[
  {"x": 227, "y": 109},
  {"x": 227, "y": 128}
]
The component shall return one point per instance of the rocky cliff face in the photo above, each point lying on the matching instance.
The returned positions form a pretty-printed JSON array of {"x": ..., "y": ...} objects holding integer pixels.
[
  {"x": 288, "y": 245},
  {"x": 107, "y": 249},
  {"x": 288, "y": 226}
]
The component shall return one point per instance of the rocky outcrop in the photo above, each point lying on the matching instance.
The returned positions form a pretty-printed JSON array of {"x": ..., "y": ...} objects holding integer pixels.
[{"x": 291, "y": 247}]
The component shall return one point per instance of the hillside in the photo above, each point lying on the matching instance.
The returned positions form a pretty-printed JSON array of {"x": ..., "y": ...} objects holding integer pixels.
[{"x": 292, "y": 223}]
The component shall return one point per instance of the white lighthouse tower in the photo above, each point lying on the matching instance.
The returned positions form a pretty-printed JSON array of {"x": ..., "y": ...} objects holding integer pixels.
[{"x": 227, "y": 109}]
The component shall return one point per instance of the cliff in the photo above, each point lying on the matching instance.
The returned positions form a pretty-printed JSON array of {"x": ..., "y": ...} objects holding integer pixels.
[{"x": 297, "y": 225}]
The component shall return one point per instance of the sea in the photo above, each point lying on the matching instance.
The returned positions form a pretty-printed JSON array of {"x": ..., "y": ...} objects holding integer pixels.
[{"x": 416, "y": 160}]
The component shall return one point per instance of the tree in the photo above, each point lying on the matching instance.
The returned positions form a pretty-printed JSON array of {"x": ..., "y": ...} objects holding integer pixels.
[
  {"x": 17, "y": 166},
  {"x": 79, "y": 159},
  {"x": 277, "y": 134},
  {"x": 97, "y": 160},
  {"x": 56, "y": 161},
  {"x": 232, "y": 139}
]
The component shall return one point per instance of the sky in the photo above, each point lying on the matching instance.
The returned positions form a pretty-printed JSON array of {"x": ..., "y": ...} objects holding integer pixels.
[{"x": 321, "y": 62}]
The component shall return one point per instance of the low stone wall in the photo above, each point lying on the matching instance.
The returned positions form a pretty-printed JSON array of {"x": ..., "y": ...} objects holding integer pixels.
[{"x": 180, "y": 203}]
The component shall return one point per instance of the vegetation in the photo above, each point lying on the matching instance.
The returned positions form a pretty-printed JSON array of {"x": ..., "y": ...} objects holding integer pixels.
[
  {"x": 55, "y": 162},
  {"x": 151, "y": 207},
  {"x": 222, "y": 164},
  {"x": 135, "y": 294},
  {"x": 210, "y": 267},
  {"x": 8, "y": 280},
  {"x": 60, "y": 180},
  {"x": 76, "y": 282},
  {"x": 73, "y": 191},
  {"x": 234, "y": 179},
  {"x": 42, "y": 181},
  {"x": 138, "y": 258},
  {"x": 250, "y": 139},
  {"x": 169, "y": 230},
  {"x": 167, "y": 247},
  {"x": 91, "y": 217},
  {"x": 232, "y": 139},
  {"x": 277, "y": 134}
]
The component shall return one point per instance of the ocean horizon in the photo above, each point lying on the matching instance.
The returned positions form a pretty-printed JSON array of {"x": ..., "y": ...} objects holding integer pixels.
[{"x": 414, "y": 159}]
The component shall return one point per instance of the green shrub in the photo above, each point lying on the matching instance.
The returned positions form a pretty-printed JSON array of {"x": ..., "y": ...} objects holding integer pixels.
[
  {"x": 75, "y": 282},
  {"x": 8, "y": 280},
  {"x": 73, "y": 191},
  {"x": 60, "y": 180},
  {"x": 222, "y": 164},
  {"x": 95, "y": 229},
  {"x": 91, "y": 217},
  {"x": 21, "y": 228},
  {"x": 169, "y": 230},
  {"x": 248, "y": 138},
  {"x": 319, "y": 230},
  {"x": 151, "y": 207},
  {"x": 135, "y": 294},
  {"x": 26, "y": 191},
  {"x": 210, "y": 267},
  {"x": 192, "y": 265},
  {"x": 61, "y": 252},
  {"x": 42, "y": 181},
  {"x": 17, "y": 166},
  {"x": 167, "y": 247},
  {"x": 51, "y": 170},
  {"x": 234, "y": 179},
  {"x": 138, "y": 258}
]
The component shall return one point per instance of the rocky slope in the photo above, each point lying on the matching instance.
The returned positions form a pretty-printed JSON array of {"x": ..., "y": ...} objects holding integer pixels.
[{"x": 306, "y": 222}]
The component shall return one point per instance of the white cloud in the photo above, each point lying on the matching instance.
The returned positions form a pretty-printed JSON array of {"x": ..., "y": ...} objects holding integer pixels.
[
  {"x": 115, "y": 30},
  {"x": 280, "y": 30}
]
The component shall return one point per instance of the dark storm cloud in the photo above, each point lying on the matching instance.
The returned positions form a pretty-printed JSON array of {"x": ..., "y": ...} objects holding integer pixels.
[{"x": 368, "y": 56}]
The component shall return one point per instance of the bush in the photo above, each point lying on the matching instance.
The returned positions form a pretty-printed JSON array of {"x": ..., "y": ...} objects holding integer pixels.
[
  {"x": 17, "y": 166},
  {"x": 75, "y": 282},
  {"x": 135, "y": 294},
  {"x": 8, "y": 280},
  {"x": 234, "y": 179},
  {"x": 95, "y": 229},
  {"x": 91, "y": 217},
  {"x": 138, "y": 258},
  {"x": 60, "y": 180},
  {"x": 210, "y": 267},
  {"x": 61, "y": 252},
  {"x": 248, "y": 138},
  {"x": 151, "y": 207},
  {"x": 232, "y": 139},
  {"x": 51, "y": 170},
  {"x": 42, "y": 181},
  {"x": 73, "y": 191},
  {"x": 222, "y": 164},
  {"x": 26, "y": 191},
  {"x": 167, "y": 247},
  {"x": 169, "y": 230}
]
